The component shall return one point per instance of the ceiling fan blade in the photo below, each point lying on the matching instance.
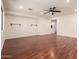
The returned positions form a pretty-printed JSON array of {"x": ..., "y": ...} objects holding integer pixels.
[
  {"x": 56, "y": 11},
  {"x": 46, "y": 12}
]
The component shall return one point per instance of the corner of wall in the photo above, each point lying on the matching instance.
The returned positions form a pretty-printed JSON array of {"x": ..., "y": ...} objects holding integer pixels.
[{"x": 2, "y": 31}]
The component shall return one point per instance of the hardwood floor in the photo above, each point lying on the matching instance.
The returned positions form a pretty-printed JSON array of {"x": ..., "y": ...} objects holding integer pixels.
[{"x": 40, "y": 47}]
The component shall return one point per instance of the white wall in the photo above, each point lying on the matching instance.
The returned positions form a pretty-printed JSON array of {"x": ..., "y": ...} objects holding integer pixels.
[
  {"x": 44, "y": 26},
  {"x": 25, "y": 29},
  {"x": 19, "y": 31},
  {"x": 67, "y": 25}
]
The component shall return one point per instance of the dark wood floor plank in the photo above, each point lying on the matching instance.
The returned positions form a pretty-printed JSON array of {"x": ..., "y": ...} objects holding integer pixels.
[{"x": 40, "y": 47}]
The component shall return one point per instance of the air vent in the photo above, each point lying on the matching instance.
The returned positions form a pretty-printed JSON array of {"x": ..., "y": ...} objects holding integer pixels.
[{"x": 29, "y": 8}]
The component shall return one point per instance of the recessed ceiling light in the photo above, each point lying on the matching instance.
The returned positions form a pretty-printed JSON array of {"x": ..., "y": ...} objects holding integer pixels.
[
  {"x": 68, "y": 1},
  {"x": 20, "y": 6}
]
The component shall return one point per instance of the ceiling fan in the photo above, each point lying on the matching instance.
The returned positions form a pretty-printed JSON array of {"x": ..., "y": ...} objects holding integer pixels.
[{"x": 52, "y": 10}]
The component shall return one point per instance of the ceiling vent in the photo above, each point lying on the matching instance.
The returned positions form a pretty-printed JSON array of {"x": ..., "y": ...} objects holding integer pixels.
[{"x": 29, "y": 8}]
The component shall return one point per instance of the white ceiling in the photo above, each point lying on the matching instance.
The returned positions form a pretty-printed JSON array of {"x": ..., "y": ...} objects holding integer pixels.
[{"x": 39, "y": 6}]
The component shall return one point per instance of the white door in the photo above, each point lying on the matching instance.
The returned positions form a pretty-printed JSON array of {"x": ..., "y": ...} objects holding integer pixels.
[{"x": 53, "y": 26}]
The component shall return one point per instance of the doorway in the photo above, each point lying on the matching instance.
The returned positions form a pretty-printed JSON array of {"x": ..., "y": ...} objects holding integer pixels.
[{"x": 54, "y": 27}]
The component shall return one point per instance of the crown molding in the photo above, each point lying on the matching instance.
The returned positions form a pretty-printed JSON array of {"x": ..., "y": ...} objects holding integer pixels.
[{"x": 19, "y": 14}]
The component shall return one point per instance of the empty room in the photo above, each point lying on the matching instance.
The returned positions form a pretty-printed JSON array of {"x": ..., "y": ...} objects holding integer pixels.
[{"x": 38, "y": 29}]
